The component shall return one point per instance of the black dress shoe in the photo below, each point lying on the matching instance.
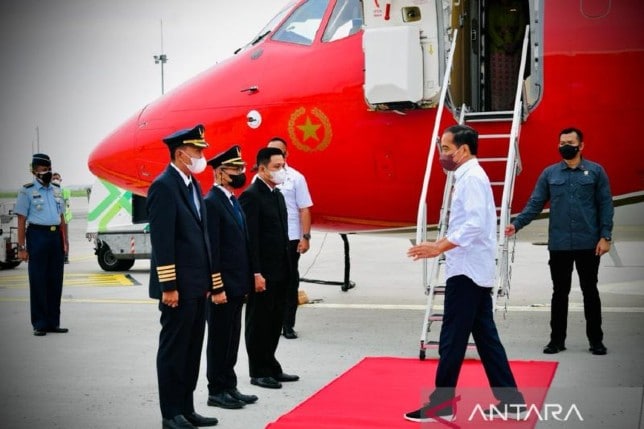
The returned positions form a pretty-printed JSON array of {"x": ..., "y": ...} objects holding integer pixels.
[
  {"x": 177, "y": 422},
  {"x": 248, "y": 399},
  {"x": 199, "y": 420},
  {"x": 286, "y": 377},
  {"x": 553, "y": 348},
  {"x": 58, "y": 330},
  {"x": 598, "y": 349},
  {"x": 224, "y": 400},
  {"x": 267, "y": 382},
  {"x": 289, "y": 333},
  {"x": 40, "y": 332}
]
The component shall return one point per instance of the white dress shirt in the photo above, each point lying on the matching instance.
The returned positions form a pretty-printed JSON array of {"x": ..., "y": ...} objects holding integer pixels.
[
  {"x": 472, "y": 226},
  {"x": 296, "y": 196}
]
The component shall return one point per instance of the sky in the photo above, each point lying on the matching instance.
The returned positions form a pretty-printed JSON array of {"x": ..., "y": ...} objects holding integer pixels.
[{"x": 74, "y": 70}]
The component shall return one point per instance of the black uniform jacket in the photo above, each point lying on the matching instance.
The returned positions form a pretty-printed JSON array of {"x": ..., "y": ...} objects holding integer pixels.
[
  {"x": 180, "y": 247},
  {"x": 267, "y": 231},
  {"x": 229, "y": 244}
]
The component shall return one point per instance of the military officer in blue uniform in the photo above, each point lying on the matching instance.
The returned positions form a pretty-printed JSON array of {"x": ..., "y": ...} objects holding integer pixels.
[
  {"x": 41, "y": 241},
  {"x": 180, "y": 276},
  {"x": 231, "y": 263}
]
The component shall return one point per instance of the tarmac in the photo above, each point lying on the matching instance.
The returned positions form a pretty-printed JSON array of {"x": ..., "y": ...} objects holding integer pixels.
[{"x": 102, "y": 373}]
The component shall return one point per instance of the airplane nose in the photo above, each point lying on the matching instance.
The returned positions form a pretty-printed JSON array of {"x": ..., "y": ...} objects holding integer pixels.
[{"x": 111, "y": 160}]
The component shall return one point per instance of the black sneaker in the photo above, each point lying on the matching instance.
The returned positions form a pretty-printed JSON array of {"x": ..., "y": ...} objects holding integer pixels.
[
  {"x": 506, "y": 411},
  {"x": 430, "y": 413}
]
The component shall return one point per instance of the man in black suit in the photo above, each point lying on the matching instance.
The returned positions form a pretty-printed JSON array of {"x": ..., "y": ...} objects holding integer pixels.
[
  {"x": 265, "y": 212},
  {"x": 180, "y": 276},
  {"x": 233, "y": 278}
]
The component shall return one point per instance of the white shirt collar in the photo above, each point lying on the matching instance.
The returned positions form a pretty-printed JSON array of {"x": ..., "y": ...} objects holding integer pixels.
[{"x": 187, "y": 179}]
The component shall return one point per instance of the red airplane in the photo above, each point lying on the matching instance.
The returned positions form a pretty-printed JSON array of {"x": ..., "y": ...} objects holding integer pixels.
[{"x": 309, "y": 77}]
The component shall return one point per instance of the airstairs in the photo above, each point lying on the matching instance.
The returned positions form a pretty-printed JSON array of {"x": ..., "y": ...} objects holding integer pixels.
[{"x": 498, "y": 154}]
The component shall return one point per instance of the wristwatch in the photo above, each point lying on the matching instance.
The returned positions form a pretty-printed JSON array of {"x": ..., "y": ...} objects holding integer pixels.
[
  {"x": 607, "y": 238},
  {"x": 21, "y": 247},
  {"x": 306, "y": 236}
]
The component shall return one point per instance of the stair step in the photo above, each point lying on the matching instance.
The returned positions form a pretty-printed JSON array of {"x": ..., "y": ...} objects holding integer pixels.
[
  {"x": 494, "y": 136},
  {"x": 438, "y": 290},
  {"x": 502, "y": 115},
  {"x": 493, "y": 159},
  {"x": 434, "y": 344},
  {"x": 436, "y": 317}
]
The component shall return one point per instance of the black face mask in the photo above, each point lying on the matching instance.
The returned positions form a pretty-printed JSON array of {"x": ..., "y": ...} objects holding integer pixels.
[
  {"x": 44, "y": 178},
  {"x": 568, "y": 152},
  {"x": 237, "y": 180}
]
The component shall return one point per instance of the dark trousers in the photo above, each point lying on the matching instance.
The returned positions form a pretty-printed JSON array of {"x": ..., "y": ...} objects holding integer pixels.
[
  {"x": 587, "y": 265},
  {"x": 224, "y": 331},
  {"x": 292, "y": 298},
  {"x": 46, "y": 266},
  {"x": 264, "y": 314},
  {"x": 468, "y": 309},
  {"x": 179, "y": 355}
]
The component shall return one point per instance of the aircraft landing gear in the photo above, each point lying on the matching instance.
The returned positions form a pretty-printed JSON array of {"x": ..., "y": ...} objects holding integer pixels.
[{"x": 347, "y": 283}]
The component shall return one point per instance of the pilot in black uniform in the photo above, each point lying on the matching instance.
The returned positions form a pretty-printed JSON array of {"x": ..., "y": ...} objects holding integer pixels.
[
  {"x": 231, "y": 261},
  {"x": 180, "y": 276}
]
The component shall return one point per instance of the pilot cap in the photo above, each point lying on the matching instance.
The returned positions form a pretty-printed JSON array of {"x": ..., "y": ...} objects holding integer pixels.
[
  {"x": 231, "y": 157},
  {"x": 40, "y": 159},
  {"x": 193, "y": 136}
]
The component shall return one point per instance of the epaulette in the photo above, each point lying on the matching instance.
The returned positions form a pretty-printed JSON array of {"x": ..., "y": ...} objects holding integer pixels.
[{"x": 28, "y": 185}]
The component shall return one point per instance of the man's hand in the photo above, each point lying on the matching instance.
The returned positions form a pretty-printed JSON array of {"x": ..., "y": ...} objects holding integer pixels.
[
  {"x": 603, "y": 246},
  {"x": 510, "y": 230},
  {"x": 23, "y": 255},
  {"x": 170, "y": 298},
  {"x": 303, "y": 246},
  {"x": 428, "y": 249},
  {"x": 260, "y": 283},
  {"x": 219, "y": 298}
]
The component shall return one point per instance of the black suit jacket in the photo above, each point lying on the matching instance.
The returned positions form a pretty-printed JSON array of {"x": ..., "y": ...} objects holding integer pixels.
[
  {"x": 180, "y": 248},
  {"x": 267, "y": 231},
  {"x": 229, "y": 244}
]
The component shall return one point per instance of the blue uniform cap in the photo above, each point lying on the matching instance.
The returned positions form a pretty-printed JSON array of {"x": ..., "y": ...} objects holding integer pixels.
[
  {"x": 231, "y": 157},
  {"x": 193, "y": 136},
  {"x": 40, "y": 159}
]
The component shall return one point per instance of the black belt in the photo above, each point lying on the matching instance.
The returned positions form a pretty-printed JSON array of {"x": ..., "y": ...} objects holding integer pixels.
[{"x": 52, "y": 228}]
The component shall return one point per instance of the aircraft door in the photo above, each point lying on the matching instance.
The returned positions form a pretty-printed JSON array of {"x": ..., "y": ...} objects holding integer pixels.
[
  {"x": 400, "y": 45},
  {"x": 460, "y": 79}
]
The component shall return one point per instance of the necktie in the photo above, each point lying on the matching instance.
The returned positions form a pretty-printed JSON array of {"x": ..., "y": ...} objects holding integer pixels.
[
  {"x": 193, "y": 197},
  {"x": 238, "y": 210}
]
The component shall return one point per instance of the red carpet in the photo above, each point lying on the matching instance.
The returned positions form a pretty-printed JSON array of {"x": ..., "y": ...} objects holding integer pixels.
[{"x": 376, "y": 392}]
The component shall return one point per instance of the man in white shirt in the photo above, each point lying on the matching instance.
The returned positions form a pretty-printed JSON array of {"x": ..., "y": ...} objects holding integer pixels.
[
  {"x": 470, "y": 245},
  {"x": 298, "y": 203}
]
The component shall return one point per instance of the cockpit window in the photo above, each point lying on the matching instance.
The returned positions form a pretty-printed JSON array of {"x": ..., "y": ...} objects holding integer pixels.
[
  {"x": 270, "y": 26},
  {"x": 345, "y": 20},
  {"x": 303, "y": 23}
]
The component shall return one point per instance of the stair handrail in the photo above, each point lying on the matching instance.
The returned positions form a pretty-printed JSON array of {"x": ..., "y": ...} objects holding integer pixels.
[
  {"x": 421, "y": 219},
  {"x": 510, "y": 166}
]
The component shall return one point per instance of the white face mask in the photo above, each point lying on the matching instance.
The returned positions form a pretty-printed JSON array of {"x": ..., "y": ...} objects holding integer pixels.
[
  {"x": 197, "y": 165},
  {"x": 279, "y": 176},
  {"x": 55, "y": 182}
]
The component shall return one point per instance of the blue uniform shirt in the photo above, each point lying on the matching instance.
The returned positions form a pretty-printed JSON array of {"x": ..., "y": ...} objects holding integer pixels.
[
  {"x": 581, "y": 205},
  {"x": 41, "y": 205}
]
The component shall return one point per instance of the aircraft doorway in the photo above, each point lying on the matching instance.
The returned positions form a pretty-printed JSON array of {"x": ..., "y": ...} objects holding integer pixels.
[{"x": 488, "y": 53}]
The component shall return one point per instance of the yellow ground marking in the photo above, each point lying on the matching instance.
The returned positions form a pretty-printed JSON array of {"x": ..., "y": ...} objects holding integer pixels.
[{"x": 16, "y": 281}]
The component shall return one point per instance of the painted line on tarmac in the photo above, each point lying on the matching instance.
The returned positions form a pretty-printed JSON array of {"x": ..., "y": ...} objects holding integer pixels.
[
  {"x": 511, "y": 308},
  {"x": 515, "y": 308},
  {"x": 89, "y": 300},
  {"x": 17, "y": 281}
]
